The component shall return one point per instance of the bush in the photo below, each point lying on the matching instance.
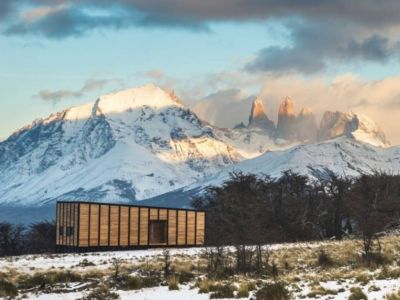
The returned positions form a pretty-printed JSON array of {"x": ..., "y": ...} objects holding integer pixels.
[
  {"x": 185, "y": 277},
  {"x": 273, "y": 291},
  {"x": 204, "y": 286},
  {"x": 223, "y": 291},
  {"x": 102, "y": 292},
  {"x": 49, "y": 278},
  {"x": 173, "y": 283},
  {"x": 7, "y": 289},
  {"x": 357, "y": 294},
  {"x": 395, "y": 296},
  {"x": 137, "y": 283},
  {"x": 85, "y": 263},
  {"x": 243, "y": 291},
  {"x": 324, "y": 260}
]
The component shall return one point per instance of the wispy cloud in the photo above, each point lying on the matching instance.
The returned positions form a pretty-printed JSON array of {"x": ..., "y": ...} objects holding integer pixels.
[{"x": 89, "y": 86}]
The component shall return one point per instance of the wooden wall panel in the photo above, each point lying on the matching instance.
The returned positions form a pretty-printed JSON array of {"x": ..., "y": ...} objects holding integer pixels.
[
  {"x": 153, "y": 214},
  {"x": 68, "y": 213},
  {"x": 163, "y": 215},
  {"x": 144, "y": 224},
  {"x": 58, "y": 210},
  {"x": 83, "y": 225},
  {"x": 94, "y": 224},
  {"x": 134, "y": 231},
  {"x": 171, "y": 227},
  {"x": 201, "y": 223},
  {"x": 124, "y": 225},
  {"x": 104, "y": 210},
  {"x": 191, "y": 224},
  {"x": 76, "y": 223},
  {"x": 114, "y": 225},
  {"x": 181, "y": 227}
]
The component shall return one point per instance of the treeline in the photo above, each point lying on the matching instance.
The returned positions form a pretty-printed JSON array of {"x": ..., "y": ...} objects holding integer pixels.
[
  {"x": 33, "y": 239},
  {"x": 249, "y": 210}
]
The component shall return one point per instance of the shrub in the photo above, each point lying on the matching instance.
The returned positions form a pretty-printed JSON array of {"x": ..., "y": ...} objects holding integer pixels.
[
  {"x": 223, "y": 291},
  {"x": 357, "y": 294},
  {"x": 363, "y": 279},
  {"x": 185, "y": 277},
  {"x": 274, "y": 270},
  {"x": 48, "y": 278},
  {"x": 137, "y": 283},
  {"x": 86, "y": 263},
  {"x": 150, "y": 281},
  {"x": 173, "y": 283},
  {"x": 204, "y": 286},
  {"x": 324, "y": 260},
  {"x": 273, "y": 291},
  {"x": 7, "y": 289},
  {"x": 243, "y": 291},
  {"x": 394, "y": 296},
  {"x": 102, "y": 292}
]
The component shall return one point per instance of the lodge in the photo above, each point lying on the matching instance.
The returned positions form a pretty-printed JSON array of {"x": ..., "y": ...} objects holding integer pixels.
[{"x": 90, "y": 226}]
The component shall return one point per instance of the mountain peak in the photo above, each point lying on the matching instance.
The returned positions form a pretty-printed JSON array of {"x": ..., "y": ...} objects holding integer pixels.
[
  {"x": 353, "y": 125},
  {"x": 258, "y": 117},
  {"x": 306, "y": 111},
  {"x": 287, "y": 107},
  {"x": 257, "y": 109},
  {"x": 286, "y": 128}
]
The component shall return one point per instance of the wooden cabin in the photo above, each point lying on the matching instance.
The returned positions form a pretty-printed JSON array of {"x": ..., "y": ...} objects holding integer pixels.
[{"x": 90, "y": 226}]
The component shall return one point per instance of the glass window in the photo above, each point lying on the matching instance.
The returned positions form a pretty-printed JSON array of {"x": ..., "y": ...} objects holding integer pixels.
[{"x": 158, "y": 232}]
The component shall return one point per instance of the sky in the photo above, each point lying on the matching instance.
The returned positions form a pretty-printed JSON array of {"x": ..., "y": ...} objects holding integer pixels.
[{"x": 216, "y": 55}]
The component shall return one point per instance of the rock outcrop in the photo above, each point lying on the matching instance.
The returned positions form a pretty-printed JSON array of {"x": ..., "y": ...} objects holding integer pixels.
[
  {"x": 307, "y": 130},
  {"x": 286, "y": 128},
  {"x": 259, "y": 119},
  {"x": 353, "y": 125}
]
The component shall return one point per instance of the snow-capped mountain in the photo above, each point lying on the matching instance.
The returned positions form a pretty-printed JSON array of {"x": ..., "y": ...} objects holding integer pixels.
[
  {"x": 141, "y": 143},
  {"x": 126, "y": 146},
  {"x": 343, "y": 156}
]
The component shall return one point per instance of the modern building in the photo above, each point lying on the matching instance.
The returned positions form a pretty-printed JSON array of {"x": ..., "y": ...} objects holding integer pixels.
[{"x": 90, "y": 226}]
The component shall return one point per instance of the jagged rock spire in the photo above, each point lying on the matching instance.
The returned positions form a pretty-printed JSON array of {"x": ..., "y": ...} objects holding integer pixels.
[
  {"x": 286, "y": 128},
  {"x": 258, "y": 118},
  {"x": 307, "y": 125}
]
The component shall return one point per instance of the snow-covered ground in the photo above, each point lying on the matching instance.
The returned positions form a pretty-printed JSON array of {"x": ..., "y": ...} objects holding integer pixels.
[{"x": 304, "y": 278}]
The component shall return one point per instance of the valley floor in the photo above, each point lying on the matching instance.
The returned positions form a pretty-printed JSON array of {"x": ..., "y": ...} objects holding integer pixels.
[{"x": 75, "y": 276}]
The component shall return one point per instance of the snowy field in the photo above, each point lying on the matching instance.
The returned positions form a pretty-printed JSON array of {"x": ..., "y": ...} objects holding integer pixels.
[{"x": 296, "y": 263}]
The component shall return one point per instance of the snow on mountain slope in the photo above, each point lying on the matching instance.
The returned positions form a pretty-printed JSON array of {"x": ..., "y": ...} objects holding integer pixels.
[
  {"x": 343, "y": 156},
  {"x": 251, "y": 142},
  {"x": 126, "y": 146}
]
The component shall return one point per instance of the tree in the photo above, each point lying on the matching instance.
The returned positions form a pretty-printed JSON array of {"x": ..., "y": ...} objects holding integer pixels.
[
  {"x": 336, "y": 192},
  {"x": 375, "y": 204},
  {"x": 11, "y": 239},
  {"x": 41, "y": 237}
]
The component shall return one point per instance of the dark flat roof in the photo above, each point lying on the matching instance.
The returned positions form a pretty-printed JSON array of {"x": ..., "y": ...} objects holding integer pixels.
[{"x": 131, "y": 205}]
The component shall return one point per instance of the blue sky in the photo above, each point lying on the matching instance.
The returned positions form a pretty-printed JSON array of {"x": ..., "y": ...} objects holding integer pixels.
[{"x": 55, "y": 54}]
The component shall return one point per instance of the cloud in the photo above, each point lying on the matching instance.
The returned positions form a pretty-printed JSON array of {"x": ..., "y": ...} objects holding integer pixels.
[
  {"x": 224, "y": 108},
  {"x": 75, "y": 17},
  {"x": 314, "y": 46},
  {"x": 378, "y": 99},
  {"x": 56, "y": 96},
  {"x": 89, "y": 86}
]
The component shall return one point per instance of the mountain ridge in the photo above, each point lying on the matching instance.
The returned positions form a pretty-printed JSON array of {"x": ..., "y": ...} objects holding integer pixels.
[{"x": 141, "y": 143}]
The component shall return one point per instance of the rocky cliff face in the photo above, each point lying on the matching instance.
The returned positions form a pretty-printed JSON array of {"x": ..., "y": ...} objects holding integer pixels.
[
  {"x": 259, "y": 119},
  {"x": 307, "y": 130},
  {"x": 286, "y": 128},
  {"x": 353, "y": 125}
]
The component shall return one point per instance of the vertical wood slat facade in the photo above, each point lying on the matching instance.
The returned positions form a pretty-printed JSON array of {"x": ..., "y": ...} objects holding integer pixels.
[{"x": 86, "y": 225}]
